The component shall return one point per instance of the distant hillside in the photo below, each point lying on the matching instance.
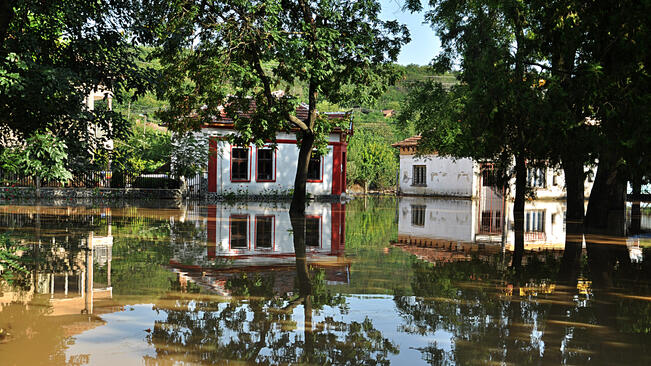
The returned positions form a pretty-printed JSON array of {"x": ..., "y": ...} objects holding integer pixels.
[{"x": 145, "y": 107}]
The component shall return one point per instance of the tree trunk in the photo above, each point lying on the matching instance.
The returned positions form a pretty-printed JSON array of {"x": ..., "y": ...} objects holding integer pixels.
[
  {"x": 518, "y": 210},
  {"x": 636, "y": 212},
  {"x": 38, "y": 186},
  {"x": 298, "y": 232},
  {"x": 606, "y": 212},
  {"x": 298, "y": 199},
  {"x": 575, "y": 199}
]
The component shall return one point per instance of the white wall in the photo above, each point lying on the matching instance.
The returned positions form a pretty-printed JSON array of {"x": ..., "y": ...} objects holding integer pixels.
[
  {"x": 286, "y": 162},
  {"x": 444, "y": 176},
  {"x": 555, "y": 185},
  {"x": 452, "y": 219}
]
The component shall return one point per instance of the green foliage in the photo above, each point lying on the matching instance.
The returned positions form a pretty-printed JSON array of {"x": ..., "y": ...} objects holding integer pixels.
[
  {"x": 190, "y": 152},
  {"x": 11, "y": 260},
  {"x": 53, "y": 55},
  {"x": 371, "y": 160},
  {"x": 43, "y": 156},
  {"x": 143, "y": 152}
]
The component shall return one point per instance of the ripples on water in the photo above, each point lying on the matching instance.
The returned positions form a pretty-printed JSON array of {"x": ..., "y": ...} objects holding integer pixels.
[{"x": 410, "y": 281}]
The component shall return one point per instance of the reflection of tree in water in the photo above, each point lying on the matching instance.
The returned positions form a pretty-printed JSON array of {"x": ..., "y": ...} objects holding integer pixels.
[
  {"x": 262, "y": 327},
  {"x": 538, "y": 315}
]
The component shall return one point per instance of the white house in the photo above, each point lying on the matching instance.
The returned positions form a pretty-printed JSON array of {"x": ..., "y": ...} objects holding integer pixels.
[
  {"x": 267, "y": 171},
  {"x": 434, "y": 175}
]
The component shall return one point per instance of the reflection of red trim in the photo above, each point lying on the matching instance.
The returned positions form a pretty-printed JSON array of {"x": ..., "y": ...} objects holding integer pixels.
[
  {"x": 212, "y": 231},
  {"x": 273, "y": 232},
  {"x": 322, "y": 164},
  {"x": 257, "y": 168},
  {"x": 248, "y": 165},
  {"x": 338, "y": 232},
  {"x": 248, "y": 230},
  {"x": 248, "y": 269}
]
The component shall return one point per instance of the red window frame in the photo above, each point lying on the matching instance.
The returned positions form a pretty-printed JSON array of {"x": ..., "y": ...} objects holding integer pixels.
[
  {"x": 273, "y": 232},
  {"x": 230, "y": 231},
  {"x": 321, "y": 163},
  {"x": 257, "y": 165},
  {"x": 248, "y": 165}
]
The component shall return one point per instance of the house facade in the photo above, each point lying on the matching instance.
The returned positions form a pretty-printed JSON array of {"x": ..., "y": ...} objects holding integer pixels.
[
  {"x": 434, "y": 175},
  {"x": 267, "y": 170}
]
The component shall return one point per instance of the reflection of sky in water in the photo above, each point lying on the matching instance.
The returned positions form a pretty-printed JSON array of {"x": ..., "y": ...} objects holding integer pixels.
[{"x": 123, "y": 339}]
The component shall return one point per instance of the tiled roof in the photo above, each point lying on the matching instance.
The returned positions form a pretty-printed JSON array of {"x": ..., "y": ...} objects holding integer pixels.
[
  {"x": 302, "y": 112},
  {"x": 410, "y": 141}
]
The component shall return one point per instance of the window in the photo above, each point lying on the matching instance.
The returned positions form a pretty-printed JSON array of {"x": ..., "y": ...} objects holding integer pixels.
[
  {"x": 312, "y": 231},
  {"x": 265, "y": 165},
  {"x": 534, "y": 221},
  {"x": 488, "y": 178},
  {"x": 264, "y": 232},
  {"x": 314, "y": 169},
  {"x": 239, "y": 225},
  {"x": 418, "y": 215},
  {"x": 491, "y": 222},
  {"x": 536, "y": 177},
  {"x": 420, "y": 173},
  {"x": 240, "y": 164}
]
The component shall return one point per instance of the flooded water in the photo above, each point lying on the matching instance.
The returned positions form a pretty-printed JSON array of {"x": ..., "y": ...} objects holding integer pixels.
[{"x": 373, "y": 282}]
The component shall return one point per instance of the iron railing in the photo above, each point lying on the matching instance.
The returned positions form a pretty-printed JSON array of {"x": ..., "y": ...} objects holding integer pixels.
[{"x": 108, "y": 179}]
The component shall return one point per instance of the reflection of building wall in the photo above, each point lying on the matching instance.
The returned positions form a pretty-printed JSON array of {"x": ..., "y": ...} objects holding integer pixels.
[
  {"x": 448, "y": 223},
  {"x": 544, "y": 223},
  {"x": 437, "y": 218},
  {"x": 68, "y": 279},
  {"x": 261, "y": 234}
]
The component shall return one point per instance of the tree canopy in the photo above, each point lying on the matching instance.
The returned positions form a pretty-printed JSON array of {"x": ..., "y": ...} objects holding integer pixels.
[
  {"x": 53, "y": 54},
  {"x": 233, "y": 53}
]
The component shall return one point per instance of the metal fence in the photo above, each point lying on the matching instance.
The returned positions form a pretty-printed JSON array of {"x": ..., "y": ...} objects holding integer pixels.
[{"x": 108, "y": 179}]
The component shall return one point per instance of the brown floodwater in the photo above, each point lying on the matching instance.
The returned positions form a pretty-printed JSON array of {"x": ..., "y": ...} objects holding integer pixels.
[{"x": 371, "y": 282}]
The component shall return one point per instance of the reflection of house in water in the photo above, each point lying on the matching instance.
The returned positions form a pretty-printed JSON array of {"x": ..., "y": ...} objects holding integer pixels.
[
  {"x": 258, "y": 238},
  {"x": 67, "y": 276},
  {"x": 459, "y": 227}
]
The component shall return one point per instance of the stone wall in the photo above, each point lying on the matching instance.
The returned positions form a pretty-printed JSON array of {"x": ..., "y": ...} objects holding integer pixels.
[{"x": 11, "y": 193}]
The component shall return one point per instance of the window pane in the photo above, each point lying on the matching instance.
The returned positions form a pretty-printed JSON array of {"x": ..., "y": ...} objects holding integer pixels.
[
  {"x": 240, "y": 164},
  {"x": 239, "y": 226},
  {"x": 314, "y": 169},
  {"x": 418, "y": 215},
  {"x": 419, "y": 175},
  {"x": 312, "y": 228},
  {"x": 265, "y": 164},
  {"x": 263, "y": 232}
]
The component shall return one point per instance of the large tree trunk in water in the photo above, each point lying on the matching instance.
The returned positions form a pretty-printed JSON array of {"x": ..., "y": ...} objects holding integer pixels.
[
  {"x": 606, "y": 212},
  {"x": 573, "y": 170},
  {"x": 300, "y": 182},
  {"x": 636, "y": 212},
  {"x": 518, "y": 210}
]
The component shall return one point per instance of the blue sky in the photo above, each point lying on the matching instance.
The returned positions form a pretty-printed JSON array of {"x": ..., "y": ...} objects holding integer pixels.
[{"x": 424, "y": 44}]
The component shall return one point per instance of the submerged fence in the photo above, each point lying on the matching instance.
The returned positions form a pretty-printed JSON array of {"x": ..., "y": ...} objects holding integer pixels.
[{"x": 108, "y": 179}]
